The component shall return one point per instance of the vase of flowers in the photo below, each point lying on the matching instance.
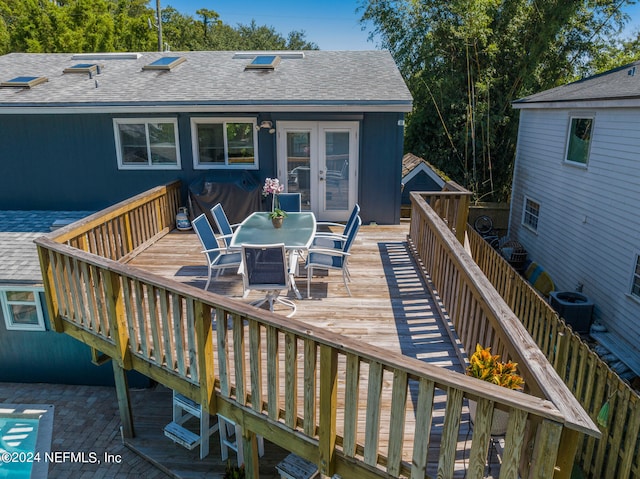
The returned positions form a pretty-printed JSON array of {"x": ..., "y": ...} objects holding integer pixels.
[
  {"x": 277, "y": 217},
  {"x": 272, "y": 187},
  {"x": 488, "y": 367}
]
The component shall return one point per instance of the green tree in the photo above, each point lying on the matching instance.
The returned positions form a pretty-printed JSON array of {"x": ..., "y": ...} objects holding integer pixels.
[
  {"x": 254, "y": 37},
  {"x": 126, "y": 25},
  {"x": 131, "y": 26},
  {"x": 465, "y": 61}
]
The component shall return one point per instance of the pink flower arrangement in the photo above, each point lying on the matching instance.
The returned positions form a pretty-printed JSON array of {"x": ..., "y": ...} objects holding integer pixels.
[{"x": 272, "y": 186}]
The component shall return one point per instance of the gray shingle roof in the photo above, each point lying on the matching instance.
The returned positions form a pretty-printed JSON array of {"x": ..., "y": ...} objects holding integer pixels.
[
  {"x": 622, "y": 83},
  {"x": 18, "y": 229},
  {"x": 210, "y": 78}
]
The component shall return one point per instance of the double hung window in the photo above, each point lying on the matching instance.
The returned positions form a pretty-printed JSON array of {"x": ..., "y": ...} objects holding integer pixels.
[
  {"x": 531, "y": 214},
  {"x": 150, "y": 143},
  {"x": 224, "y": 143}
]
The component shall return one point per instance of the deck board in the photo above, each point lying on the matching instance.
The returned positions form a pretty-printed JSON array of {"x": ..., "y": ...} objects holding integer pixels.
[{"x": 391, "y": 308}]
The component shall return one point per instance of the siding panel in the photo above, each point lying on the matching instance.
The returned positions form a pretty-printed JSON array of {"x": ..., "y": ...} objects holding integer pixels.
[{"x": 589, "y": 228}]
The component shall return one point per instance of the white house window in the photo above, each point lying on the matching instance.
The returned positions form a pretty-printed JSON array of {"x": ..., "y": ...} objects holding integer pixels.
[
  {"x": 579, "y": 141},
  {"x": 147, "y": 143},
  {"x": 224, "y": 143},
  {"x": 22, "y": 310},
  {"x": 635, "y": 284},
  {"x": 530, "y": 214}
]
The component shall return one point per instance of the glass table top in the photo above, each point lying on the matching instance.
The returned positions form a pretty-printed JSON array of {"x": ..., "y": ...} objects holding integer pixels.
[{"x": 296, "y": 232}]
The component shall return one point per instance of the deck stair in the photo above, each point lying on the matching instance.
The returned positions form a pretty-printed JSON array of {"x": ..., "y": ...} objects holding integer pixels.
[{"x": 185, "y": 409}]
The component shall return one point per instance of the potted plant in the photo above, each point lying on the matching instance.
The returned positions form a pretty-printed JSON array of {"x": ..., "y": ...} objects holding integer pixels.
[
  {"x": 488, "y": 367},
  {"x": 277, "y": 217}
]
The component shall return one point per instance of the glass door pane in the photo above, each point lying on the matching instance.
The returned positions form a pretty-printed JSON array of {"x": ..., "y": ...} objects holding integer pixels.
[
  {"x": 336, "y": 159},
  {"x": 299, "y": 165}
]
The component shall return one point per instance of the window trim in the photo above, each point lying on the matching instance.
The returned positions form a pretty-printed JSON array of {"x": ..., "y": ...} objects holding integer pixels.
[
  {"x": 524, "y": 214},
  {"x": 578, "y": 116},
  {"x": 148, "y": 166},
  {"x": 224, "y": 121},
  {"x": 8, "y": 315}
]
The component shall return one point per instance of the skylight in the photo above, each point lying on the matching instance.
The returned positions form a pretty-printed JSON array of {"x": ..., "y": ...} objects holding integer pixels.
[
  {"x": 164, "y": 63},
  {"x": 24, "y": 82},
  {"x": 83, "y": 68},
  {"x": 106, "y": 56},
  {"x": 264, "y": 62}
]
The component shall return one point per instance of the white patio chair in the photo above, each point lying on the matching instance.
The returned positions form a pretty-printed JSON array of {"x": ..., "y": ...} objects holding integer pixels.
[
  {"x": 218, "y": 259},
  {"x": 330, "y": 239},
  {"x": 265, "y": 269},
  {"x": 290, "y": 202},
  {"x": 332, "y": 258},
  {"x": 224, "y": 227}
]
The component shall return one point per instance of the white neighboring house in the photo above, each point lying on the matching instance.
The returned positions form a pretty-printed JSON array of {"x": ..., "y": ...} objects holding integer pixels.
[{"x": 576, "y": 196}]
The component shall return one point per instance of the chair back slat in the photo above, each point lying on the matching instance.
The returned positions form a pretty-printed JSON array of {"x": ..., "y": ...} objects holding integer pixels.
[
  {"x": 352, "y": 219},
  {"x": 352, "y": 234},
  {"x": 224, "y": 227},
  {"x": 290, "y": 202},
  {"x": 207, "y": 237}
]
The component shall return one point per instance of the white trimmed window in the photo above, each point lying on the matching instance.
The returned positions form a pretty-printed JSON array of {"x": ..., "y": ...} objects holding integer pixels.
[
  {"x": 530, "y": 214},
  {"x": 635, "y": 283},
  {"x": 224, "y": 143},
  {"x": 21, "y": 309},
  {"x": 149, "y": 143},
  {"x": 579, "y": 140}
]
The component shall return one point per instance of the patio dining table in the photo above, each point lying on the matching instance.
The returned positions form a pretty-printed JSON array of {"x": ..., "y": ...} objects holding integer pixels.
[{"x": 296, "y": 234}]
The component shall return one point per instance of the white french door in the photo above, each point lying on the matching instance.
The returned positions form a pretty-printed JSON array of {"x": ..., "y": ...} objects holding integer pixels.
[{"x": 320, "y": 161}]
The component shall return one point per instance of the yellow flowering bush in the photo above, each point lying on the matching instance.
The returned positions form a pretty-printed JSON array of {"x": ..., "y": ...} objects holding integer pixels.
[{"x": 488, "y": 367}]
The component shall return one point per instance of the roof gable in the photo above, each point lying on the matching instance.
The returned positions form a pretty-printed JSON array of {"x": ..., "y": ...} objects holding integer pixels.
[{"x": 413, "y": 165}]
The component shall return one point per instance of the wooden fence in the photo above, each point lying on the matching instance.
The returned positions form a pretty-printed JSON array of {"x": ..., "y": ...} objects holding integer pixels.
[
  {"x": 247, "y": 364},
  {"x": 592, "y": 382}
]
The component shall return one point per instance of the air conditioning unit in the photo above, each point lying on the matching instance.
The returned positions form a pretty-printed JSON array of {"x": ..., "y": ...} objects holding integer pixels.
[{"x": 575, "y": 308}]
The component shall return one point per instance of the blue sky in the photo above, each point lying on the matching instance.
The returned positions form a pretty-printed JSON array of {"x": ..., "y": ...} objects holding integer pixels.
[{"x": 331, "y": 24}]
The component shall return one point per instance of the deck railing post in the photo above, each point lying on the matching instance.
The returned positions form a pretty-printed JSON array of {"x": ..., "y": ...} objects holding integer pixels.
[
  {"x": 117, "y": 318},
  {"x": 545, "y": 452},
  {"x": 328, "y": 402},
  {"x": 205, "y": 361},
  {"x": 566, "y": 453},
  {"x": 250, "y": 449},
  {"x": 49, "y": 285}
]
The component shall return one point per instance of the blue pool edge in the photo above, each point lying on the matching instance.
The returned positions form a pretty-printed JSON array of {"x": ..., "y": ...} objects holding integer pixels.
[{"x": 45, "y": 413}]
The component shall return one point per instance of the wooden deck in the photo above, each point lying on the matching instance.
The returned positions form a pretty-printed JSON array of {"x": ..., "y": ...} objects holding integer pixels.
[{"x": 390, "y": 308}]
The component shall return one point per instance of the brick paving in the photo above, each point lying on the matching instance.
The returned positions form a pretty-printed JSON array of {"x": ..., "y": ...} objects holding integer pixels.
[{"x": 86, "y": 419}]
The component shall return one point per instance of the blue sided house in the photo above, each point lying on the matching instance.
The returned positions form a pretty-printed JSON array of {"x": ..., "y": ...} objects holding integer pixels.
[{"x": 81, "y": 132}]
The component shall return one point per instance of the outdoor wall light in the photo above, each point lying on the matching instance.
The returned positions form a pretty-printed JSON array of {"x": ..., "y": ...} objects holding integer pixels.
[{"x": 267, "y": 125}]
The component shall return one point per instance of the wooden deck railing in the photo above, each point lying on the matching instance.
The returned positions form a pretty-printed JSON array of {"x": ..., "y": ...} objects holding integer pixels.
[
  {"x": 119, "y": 232},
  {"x": 480, "y": 315},
  {"x": 246, "y": 363},
  {"x": 589, "y": 378},
  {"x": 452, "y": 206}
]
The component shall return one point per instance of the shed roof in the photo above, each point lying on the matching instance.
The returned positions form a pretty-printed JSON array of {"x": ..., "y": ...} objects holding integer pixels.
[
  {"x": 619, "y": 87},
  {"x": 412, "y": 165},
  {"x": 329, "y": 80}
]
